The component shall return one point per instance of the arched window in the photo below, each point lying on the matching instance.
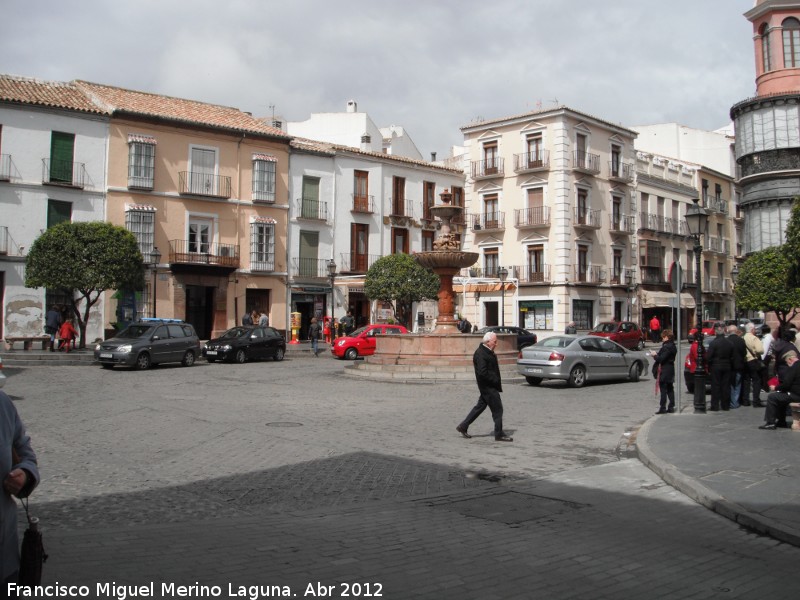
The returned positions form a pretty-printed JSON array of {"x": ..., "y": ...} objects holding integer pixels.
[
  {"x": 766, "y": 59},
  {"x": 791, "y": 43}
]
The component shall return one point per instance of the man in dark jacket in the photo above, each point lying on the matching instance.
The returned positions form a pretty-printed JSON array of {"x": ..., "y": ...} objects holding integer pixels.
[
  {"x": 665, "y": 363},
  {"x": 720, "y": 361},
  {"x": 738, "y": 363},
  {"x": 788, "y": 391},
  {"x": 487, "y": 374}
]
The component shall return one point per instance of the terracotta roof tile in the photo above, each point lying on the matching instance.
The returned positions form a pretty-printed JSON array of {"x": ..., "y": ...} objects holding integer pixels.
[
  {"x": 121, "y": 100},
  {"x": 46, "y": 93}
]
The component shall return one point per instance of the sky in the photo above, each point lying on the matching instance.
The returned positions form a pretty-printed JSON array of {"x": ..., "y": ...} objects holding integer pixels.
[{"x": 430, "y": 66}]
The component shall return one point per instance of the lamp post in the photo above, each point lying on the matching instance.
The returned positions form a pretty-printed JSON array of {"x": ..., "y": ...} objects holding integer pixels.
[
  {"x": 155, "y": 258},
  {"x": 502, "y": 273},
  {"x": 332, "y": 275},
  {"x": 734, "y": 277},
  {"x": 696, "y": 220}
]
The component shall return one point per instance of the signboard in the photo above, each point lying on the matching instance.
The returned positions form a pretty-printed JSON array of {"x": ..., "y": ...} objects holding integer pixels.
[{"x": 676, "y": 281}]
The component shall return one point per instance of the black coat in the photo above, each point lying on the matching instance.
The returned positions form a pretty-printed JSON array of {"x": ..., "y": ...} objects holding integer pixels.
[
  {"x": 720, "y": 354},
  {"x": 487, "y": 369},
  {"x": 791, "y": 380},
  {"x": 666, "y": 360},
  {"x": 739, "y": 351}
]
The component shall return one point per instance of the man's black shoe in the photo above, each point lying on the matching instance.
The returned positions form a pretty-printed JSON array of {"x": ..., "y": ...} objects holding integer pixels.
[
  {"x": 503, "y": 438},
  {"x": 759, "y": 405},
  {"x": 770, "y": 426},
  {"x": 661, "y": 412},
  {"x": 463, "y": 431},
  {"x": 782, "y": 425},
  {"x": 670, "y": 410}
]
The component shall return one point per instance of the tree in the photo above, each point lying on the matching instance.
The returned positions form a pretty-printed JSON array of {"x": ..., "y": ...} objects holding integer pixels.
[
  {"x": 400, "y": 279},
  {"x": 83, "y": 260},
  {"x": 792, "y": 246},
  {"x": 764, "y": 284}
]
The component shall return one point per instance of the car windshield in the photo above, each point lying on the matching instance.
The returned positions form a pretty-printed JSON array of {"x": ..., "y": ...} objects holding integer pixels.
[
  {"x": 605, "y": 328},
  {"x": 234, "y": 333},
  {"x": 555, "y": 342},
  {"x": 357, "y": 332},
  {"x": 135, "y": 332}
]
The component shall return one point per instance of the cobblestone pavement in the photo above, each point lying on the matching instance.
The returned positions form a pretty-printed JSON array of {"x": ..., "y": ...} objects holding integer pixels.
[{"x": 289, "y": 474}]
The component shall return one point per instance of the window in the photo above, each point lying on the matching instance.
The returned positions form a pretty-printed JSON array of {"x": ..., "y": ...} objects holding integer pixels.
[
  {"x": 203, "y": 171},
  {"x": 428, "y": 199},
  {"x": 200, "y": 234},
  {"x": 58, "y": 212},
  {"x": 536, "y": 314},
  {"x": 141, "y": 222},
  {"x": 264, "y": 177},
  {"x": 583, "y": 206},
  {"x": 458, "y": 196},
  {"x": 616, "y": 213},
  {"x": 262, "y": 244},
  {"x": 398, "y": 196},
  {"x": 490, "y": 214},
  {"x": 616, "y": 153},
  {"x": 583, "y": 262},
  {"x": 309, "y": 251},
  {"x": 359, "y": 247},
  {"x": 650, "y": 253},
  {"x": 62, "y": 150},
  {"x": 583, "y": 313},
  {"x": 617, "y": 267},
  {"x": 534, "y": 145},
  {"x": 399, "y": 241},
  {"x": 311, "y": 207},
  {"x": 766, "y": 59},
  {"x": 141, "y": 161},
  {"x": 490, "y": 262},
  {"x": 490, "y": 157},
  {"x": 791, "y": 43},
  {"x": 536, "y": 263},
  {"x": 536, "y": 206},
  {"x": 361, "y": 191},
  {"x": 427, "y": 241}
]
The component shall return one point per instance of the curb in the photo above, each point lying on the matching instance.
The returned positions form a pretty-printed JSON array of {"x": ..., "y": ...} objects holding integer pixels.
[{"x": 707, "y": 497}]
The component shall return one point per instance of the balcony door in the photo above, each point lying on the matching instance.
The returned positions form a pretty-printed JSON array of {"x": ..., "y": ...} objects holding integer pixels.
[
  {"x": 200, "y": 234},
  {"x": 203, "y": 171},
  {"x": 62, "y": 150},
  {"x": 309, "y": 252},
  {"x": 490, "y": 214},
  {"x": 359, "y": 247}
]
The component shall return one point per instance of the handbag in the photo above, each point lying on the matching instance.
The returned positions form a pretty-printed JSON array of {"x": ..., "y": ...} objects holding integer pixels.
[{"x": 31, "y": 555}]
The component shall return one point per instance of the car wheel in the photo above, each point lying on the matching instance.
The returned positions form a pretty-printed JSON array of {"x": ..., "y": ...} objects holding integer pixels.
[
  {"x": 240, "y": 357},
  {"x": 351, "y": 354},
  {"x": 143, "y": 361},
  {"x": 106, "y": 366},
  {"x": 537, "y": 381},
  {"x": 279, "y": 354},
  {"x": 640, "y": 345},
  {"x": 188, "y": 359},
  {"x": 635, "y": 372},
  {"x": 577, "y": 377}
]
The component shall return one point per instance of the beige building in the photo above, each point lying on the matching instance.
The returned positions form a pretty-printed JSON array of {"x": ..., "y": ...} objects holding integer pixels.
[
  {"x": 204, "y": 189},
  {"x": 550, "y": 199}
]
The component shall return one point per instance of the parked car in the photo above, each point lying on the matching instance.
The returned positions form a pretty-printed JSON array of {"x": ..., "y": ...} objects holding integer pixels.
[
  {"x": 525, "y": 338},
  {"x": 688, "y": 368},
  {"x": 244, "y": 343},
  {"x": 709, "y": 326},
  {"x": 578, "y": 359},
  {"x": 625, "y": 333},
  {"x": 150, "y": 342},
  {"x": 2, "y": 375},
  {"x": 361, "y": 342}
]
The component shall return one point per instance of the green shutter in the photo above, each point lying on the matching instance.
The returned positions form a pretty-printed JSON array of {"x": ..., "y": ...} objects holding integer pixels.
[
  {"x": 62, "y": 146},
  {"x": 58, "y": 212}
]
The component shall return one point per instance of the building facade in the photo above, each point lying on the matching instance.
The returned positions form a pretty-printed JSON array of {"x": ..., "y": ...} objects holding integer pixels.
[{"x": 768, "y": 125}]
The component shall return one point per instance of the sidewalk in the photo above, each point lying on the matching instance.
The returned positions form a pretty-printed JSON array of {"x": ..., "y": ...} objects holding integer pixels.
[{"x": 724, "y": 462}]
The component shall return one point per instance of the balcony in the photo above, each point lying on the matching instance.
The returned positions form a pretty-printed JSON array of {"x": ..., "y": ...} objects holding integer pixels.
[
  {"x": 191, "y": 183},
  {"x": 586, "y": 163},
  {"x": 312, "y": 209},
  {"x": 481, "y": 272},
  {"x": 622, "y": 224},
  {"x": 661, "y": 224},
  {"x": 532, "y": 218},
  {"x": 716, "y": 204},
  {"x": 400, "y": 208},
  {"x": 623, "y": 276},
  {"x": 484, "y": 169},
  {"x": 533, "y": 274},
  {"x": 717, "y": 245},
  {"x": 357, "y": 263},
  {"x": 529, "y": 162},
  {"x": 620, "y": 171},
  {"x": 5, "y": 167},
  {"x": 3, "y": 239},
  {"x": 587, "y": 219},
  {"x": 310, "y": 268},
  {"x": 203, "y": 256},
  {"x": 717, "y": 285},
  {"x": 363, "y": 204},
  {"x": 653, "y": 275},
  {"x": 493, "y": 221},
  {"x": 63, "y": 173},
  {"x": 594, "y": 274}
]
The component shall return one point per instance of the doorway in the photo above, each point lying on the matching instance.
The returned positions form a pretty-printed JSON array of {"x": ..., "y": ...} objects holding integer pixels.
[
  {"x": 199, "y": 309},
  {"x": 490, "y": 313}
]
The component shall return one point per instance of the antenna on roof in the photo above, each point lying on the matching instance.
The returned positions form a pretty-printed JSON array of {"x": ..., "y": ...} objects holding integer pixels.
[
  {"x": 554, "y": 101},
  {"x": 277, "y": 123}
]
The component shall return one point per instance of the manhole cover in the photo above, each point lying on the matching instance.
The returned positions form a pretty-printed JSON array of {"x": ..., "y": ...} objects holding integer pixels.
[
  {"x": 511, "y": 507},
  {"x": 284, "y": 424}
]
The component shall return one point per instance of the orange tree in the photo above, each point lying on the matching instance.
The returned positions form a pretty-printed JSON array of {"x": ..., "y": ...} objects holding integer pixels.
[{"x": 401, "y": 280}]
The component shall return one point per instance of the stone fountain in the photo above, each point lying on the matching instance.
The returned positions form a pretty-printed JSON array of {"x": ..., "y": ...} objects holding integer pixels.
[{"x": 445, "y": 354}]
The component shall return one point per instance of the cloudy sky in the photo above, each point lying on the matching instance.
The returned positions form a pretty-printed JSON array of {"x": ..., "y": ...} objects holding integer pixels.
[{"x": 431, "y": 66}]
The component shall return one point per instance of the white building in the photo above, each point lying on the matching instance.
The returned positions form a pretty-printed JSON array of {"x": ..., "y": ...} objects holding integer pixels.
[
  {"x": 713, "y": 149},
  {"x": 52, "y": 169}
]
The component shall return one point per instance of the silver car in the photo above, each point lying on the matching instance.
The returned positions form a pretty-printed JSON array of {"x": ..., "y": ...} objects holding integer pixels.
[{"x": 578, "y": 359}]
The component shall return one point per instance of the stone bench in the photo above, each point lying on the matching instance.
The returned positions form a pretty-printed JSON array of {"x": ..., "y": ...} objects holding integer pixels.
[
  {"x": 27, "y": 341},
  {"x": 795, "y": 406}
]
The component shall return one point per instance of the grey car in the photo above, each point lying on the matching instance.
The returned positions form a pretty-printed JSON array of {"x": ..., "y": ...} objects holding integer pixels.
[
  {"x": 150, "y": 342},
  {"x": 578, "y": 359}
]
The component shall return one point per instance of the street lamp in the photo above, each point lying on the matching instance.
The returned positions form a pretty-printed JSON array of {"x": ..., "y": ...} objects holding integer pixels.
[
  {"x": 332, "y": 275},
  {"x": 502, "y": 273},
  {"x": 734, "y": 277},
  {"x": 696, "y": 221},
  {"x": 155, "y": 258}
]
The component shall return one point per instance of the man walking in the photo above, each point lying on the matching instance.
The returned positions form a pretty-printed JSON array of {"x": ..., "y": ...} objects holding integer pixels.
[
  {"x": 720, "y": 360},
  {"x": 314, "y": 333},
  {"x": 737, "y": 363},
  {"x": 655, "y": 329},
  {"x": 487, "y": 374}
]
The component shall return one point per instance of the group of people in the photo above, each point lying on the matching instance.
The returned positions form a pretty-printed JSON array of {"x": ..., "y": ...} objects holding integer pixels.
[
  {"x": 330, "y": 330},
  {"x": 59, "y": 326},
  {"x": 256, "y": 317}
]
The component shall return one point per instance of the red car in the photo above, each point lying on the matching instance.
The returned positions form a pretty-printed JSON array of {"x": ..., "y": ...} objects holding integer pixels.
[
  {"x": 625, "y": 333},
  {"x": 362, "y": 341},
  {"x": 709, "y": 326}
]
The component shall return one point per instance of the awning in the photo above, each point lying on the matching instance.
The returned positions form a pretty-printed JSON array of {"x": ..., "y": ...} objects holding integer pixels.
[
  {"x": 651, "y": 299},
  {"x": 483, "y": 287},
  {"x": 141, "y": 138}
]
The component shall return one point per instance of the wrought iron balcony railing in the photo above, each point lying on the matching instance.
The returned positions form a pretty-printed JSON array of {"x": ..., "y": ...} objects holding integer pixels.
[
  {"x": 63, "y": 172},
  {"x": 3, "y": 239},
  {"x": 363, "y": 204},
  {"x": 312, "y": 209},
  {"x": 491, "y": 221},
  {"x": 533, "y": 273},
  {"x": 588, "y": 273},
  {"x": 653, "y": 275},
  {"x": 203, "y": 253},
  {"x": 538, "y": 216},
  {"x": 202, "y": 184},
  {"x": 620, "y": 171},
  {"x": 716, "y": 204},
  {"x": 532, "y": 161},
  {"x": 585, "y": 217},
  {"x": 356, "y": 263},
  {"x": 400, "y": 207},
  {"x": 311, "y": 268},
  {"x": 662, "y": 224},
  {"x": 5, "y": 167},
  {"x": 492, "y": 167},
  {"x": 622, "y": 223},
  {"x": 586, "y": 163}
]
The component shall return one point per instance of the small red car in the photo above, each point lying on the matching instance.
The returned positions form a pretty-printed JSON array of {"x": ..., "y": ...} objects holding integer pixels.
[
  {"x": 625, "y": 333},
  {"x": 362, "y": 341},
  {"x": 709, "y": 326}
]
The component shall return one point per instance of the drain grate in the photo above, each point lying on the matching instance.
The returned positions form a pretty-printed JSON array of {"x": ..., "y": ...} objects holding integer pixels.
[
  {"x": 511, "y": 507},
  {"x": 284, "y": 424}
]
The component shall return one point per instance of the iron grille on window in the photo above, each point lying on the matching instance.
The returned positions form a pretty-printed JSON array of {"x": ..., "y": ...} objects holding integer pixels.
[
  {"x": 262, "y": 247},
  {"x": 264, "y": 180},
  {"x": 141, "y": 223},
  {"x": 141, "y": 165}
]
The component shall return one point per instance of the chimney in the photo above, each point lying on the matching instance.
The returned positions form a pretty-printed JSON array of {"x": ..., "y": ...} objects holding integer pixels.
[
  {"x": 433, "y": 156},
  {"x": 277, "y": 124},
  {"x": 366, "y": 142},
  {"x": 352, "y": 106}
]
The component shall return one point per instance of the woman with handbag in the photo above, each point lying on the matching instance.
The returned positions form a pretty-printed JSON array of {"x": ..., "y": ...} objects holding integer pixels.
[
  {"x": 753, "y": 368},
  {"x": 20, "y": 473}
]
